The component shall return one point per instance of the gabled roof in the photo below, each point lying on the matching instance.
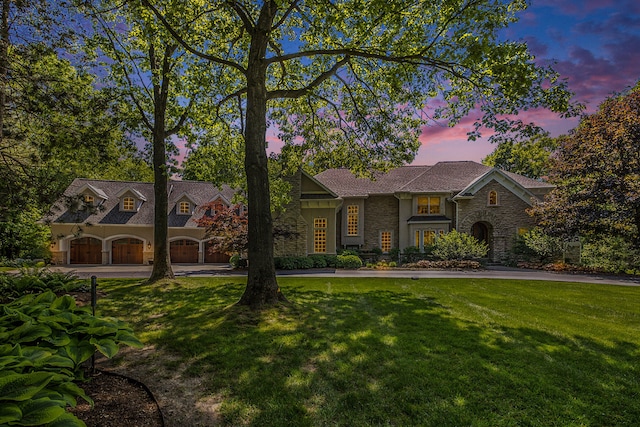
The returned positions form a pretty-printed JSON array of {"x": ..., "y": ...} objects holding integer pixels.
[
  {"x": 137, "y": 194},
  {"x": 500, "y": 177},
  {"x": 199, "y": 193},
  {"x": 95, "y": 190},
  {"x": 443, "y": 177}
]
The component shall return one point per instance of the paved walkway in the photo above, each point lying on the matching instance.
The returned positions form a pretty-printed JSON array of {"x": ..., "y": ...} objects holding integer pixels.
[{"x": 209, "y": 270}]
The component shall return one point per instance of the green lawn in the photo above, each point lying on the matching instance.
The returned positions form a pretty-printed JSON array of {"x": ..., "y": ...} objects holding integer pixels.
[{"x": 400, "y": 352}]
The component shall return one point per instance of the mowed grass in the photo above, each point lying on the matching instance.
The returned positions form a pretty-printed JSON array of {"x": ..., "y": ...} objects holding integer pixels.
[{"x": 400, "y": 352}]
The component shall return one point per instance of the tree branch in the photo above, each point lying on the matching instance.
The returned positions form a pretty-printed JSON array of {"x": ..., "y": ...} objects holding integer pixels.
[
  {"x": 297, "y": 93},
  {"x": 187, "y": 46}
]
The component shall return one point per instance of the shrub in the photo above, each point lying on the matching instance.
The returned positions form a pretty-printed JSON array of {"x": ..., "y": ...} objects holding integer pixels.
[
  {"x": 447, "y": 264},
  {"x": 459, "y": 246},
  {"x": 319, "y": 261},
  {"x": 349, "y": 261},
  {"x": 545, "y": 247},
  {"x": 411, "y": 254},
  {"x": 332, "y": 260},
  {"x": 45, "y": 339},
  {"x": 611, "y": 254},
  {"x": 234, "y": 260},
  {"x": 33, "y": 280}
]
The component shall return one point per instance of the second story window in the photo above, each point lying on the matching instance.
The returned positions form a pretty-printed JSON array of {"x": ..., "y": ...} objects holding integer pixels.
[
  {"x": 128, "y": 204},
  {"x": 184, "y": 208},
  {"x": 428, "y": 205},
  {"x": 352, "y": 220},
  {"x": 89, "y": 200},
  {"x": 493, "y": 198}
]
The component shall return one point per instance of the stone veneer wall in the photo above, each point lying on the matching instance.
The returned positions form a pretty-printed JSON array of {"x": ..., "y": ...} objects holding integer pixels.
[
  {"x": 381, "y": 213},
  {"x": 504, "y": 220},
  {"x": 292, "y": 220}
]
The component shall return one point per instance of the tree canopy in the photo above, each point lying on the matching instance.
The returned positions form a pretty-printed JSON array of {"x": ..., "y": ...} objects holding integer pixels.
[
  {"x": 597, "y": 173},
  {"x": 349, "y": 83},
  {"x": 530, "y": 157}
]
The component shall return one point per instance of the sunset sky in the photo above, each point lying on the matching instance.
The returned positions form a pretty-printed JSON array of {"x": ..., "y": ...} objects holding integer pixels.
[{"x": 594, "y": 44}]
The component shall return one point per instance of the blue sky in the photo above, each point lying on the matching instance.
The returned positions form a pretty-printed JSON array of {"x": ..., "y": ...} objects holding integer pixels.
[{"x": 594, "y": 44}]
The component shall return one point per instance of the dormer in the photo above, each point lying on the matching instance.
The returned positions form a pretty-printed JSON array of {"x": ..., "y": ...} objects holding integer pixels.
[
  {"x": 92, "y": 195},
  {"x": 185, "y": 205},
  {"x": 217, "y": 204},
  {"x": 130, "y": 199}
]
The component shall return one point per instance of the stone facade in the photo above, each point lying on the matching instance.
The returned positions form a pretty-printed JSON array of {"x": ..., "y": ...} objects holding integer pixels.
[
  {"x": 504, "y": 221},
  {"x": 381, "y": 213}
]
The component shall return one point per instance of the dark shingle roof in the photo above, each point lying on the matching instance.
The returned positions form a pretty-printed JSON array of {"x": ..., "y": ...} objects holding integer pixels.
[
  {"x": 199, "y": 193},
  {"x": 346, "y": 184},
  {"x": 443, "y": 177}
]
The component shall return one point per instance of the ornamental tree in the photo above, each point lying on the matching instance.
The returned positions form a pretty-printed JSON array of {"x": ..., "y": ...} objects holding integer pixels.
[
  {"x": 227, "y": 225},
  {"x": 350, "y": 83},
  {"x": 597, "y": 173}
]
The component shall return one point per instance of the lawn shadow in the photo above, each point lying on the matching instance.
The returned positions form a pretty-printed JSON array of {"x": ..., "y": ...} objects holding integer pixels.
[{"x": 379, "y": 357}]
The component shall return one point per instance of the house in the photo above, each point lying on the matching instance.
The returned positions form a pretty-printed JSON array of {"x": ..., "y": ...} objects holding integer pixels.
[
  {"x": 408, "y": 206},
  {"x": 413, "y": 205},
  {"x": 111, "y": 222}
]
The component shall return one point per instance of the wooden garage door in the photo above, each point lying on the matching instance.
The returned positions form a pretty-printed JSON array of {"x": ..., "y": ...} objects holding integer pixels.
[
  {"x": 184, "y": 251},
  {"x": 214, "y": 257},
  {"x": 126, "y": 251},
  {"x": 85, "y": 250}
]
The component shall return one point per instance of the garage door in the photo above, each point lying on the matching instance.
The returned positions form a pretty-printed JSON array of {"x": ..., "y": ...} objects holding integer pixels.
[
  {"x": 214, "y": 257},
  {"x": 85, "y": 250},
  {"x": 126, "y": 251},
  {"x": 184, "y": 251}
]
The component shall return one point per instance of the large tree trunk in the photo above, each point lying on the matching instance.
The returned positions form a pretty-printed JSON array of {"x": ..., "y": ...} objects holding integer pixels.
[
  {"x": 262, "y": 287},
  {"x": 161, "y": 260},
  {"x": 161, "y": 255}
]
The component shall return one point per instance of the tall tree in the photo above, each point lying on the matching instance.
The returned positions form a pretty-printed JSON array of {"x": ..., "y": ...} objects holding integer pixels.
[
  {"x": 530, "y": 157},
  {"x": 58, "y": 127},
  {"x": 150, "y": 68},
  {"x": 597, "y": 174},
  {"x": 348, "y": 83}
]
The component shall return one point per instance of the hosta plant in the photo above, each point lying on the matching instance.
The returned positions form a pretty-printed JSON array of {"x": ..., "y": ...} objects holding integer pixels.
[{"x": 45, "y": 340}]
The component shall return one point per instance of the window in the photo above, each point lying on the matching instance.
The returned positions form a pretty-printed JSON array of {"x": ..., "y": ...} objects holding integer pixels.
[
  {"x": 385, "y": 241},
  {"x": 427, "y": 237},
  {"x": 493, "y": 198},
  {"x": 89, "y": 200},
  {"x": 128, "y": 204},
  {"x": 320, "y": 235},
  {"x": 352, "y": 220},
  {"x": 184, "y": 208},
  {"x": 428, "y": 205}
]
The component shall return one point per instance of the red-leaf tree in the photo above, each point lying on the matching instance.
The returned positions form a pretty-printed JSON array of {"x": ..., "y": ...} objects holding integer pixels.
[
  {"x": 597, "y": 173},
  {"x": 228, "y": 226}
]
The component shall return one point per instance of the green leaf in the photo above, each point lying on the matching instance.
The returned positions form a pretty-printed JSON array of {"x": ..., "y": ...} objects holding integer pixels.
[
  {"x": 127, "y": 338},
  {"x": 40, "y": 411},
  {"x": 71, "y": 390},
  {"x": 64, "y": 303},
  {"x": 107, "y": 347},
  {"x": 19, "y": 387},
  {"x": 59, "y": 361},
  {"x": 67, "y": 420},
  {"x": 79, "y": 351},
  {"x": 9, "y": 412},
  {"x": 30, "y": 332}
]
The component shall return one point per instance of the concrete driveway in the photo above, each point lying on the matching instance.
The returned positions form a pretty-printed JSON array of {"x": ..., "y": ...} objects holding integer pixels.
[{"x": 211, "y": 270}]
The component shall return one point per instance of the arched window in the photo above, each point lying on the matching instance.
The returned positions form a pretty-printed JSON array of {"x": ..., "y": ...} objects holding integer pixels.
[{"x": 493, "y": 198}]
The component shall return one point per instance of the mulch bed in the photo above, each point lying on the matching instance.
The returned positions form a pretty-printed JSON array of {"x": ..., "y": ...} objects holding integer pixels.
[{"x": 118, "y": 402}]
